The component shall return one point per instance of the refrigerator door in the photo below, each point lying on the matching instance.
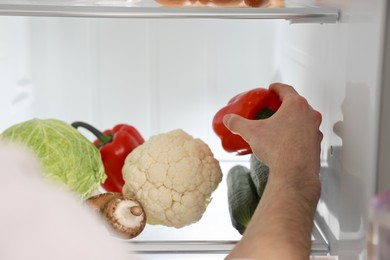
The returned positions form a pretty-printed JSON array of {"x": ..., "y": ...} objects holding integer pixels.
[
  {"x": 339, "y": 70},
  {"x": 383, "y": 181}
]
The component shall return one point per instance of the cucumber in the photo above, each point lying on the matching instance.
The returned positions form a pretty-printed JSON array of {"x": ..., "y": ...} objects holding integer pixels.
[
  {"x": 259, "y": 173},
  {"x": 242, "y": 197}
]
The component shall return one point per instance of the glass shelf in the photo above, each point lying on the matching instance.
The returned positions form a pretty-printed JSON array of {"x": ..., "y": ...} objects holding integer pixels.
[
  {"x": 151, "y": 9},
  {"x": 219, "y": 247}
]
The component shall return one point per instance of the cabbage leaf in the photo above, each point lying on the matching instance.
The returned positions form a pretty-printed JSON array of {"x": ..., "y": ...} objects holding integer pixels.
[{"x": 65, "y": 154}]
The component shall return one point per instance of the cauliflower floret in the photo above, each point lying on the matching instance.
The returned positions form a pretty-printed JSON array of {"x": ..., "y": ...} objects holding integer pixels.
[{"x": 172, "y": 175}]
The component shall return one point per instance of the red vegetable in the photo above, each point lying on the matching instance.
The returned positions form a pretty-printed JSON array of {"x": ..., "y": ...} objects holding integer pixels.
[
  {"x": 257, "y": 103},
  {"x": 114, "y": 145}
]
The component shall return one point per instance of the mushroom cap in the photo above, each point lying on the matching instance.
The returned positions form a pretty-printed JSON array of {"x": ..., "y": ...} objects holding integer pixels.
[
  {"x": 126, "y": 216},
  {"x": 98, "y": 202}
]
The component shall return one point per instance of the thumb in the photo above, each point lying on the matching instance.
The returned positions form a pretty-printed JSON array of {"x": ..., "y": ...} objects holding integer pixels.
[{"x": 237, "y": 125}]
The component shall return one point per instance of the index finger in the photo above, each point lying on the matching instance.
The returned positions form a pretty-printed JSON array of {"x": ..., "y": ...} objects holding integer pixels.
[{"x": 283, "y": 90}]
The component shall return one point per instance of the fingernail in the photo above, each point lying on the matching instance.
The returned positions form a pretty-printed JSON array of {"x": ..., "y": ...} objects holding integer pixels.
[{"x": 226, "y": 119}]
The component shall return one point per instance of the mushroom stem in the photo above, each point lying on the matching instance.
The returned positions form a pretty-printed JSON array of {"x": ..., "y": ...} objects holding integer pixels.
[{"x": 136, "y": 210}]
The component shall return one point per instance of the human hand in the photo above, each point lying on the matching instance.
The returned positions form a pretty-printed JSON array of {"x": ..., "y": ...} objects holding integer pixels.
[{"x": 289, "y": 141}]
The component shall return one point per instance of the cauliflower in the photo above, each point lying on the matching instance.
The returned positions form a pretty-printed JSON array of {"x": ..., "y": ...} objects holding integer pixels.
[{"x": 172, "y": 175}]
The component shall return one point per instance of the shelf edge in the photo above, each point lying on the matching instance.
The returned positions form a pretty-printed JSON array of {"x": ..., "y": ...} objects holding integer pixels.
[{"x": 299, "y": 14}]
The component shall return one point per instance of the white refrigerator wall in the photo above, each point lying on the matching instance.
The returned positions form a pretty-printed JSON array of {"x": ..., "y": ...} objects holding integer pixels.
[
  {"x": 157, "y": 75},
  {"x": 17, "y": 91},
  {"x": 163, "y": 74}
]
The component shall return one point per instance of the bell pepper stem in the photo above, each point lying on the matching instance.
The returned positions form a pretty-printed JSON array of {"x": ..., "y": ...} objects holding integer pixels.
[
  {"x": 104, "y": 139},
  {"x": 265, "y": 113}
]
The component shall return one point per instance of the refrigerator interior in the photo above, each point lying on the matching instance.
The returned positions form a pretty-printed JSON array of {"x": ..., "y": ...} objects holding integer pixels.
[{"x": 163, "y": 74}]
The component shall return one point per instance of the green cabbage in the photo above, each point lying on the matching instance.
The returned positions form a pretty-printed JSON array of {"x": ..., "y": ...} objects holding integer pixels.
[{"x": 65, "y": 154}]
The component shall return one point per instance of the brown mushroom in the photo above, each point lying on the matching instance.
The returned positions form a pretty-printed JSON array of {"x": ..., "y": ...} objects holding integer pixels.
[
  {"x": 218, "y": 3},
  {"x": 126, "y": 216},
  {"x": 98, "y": 202},
  {"x": 256, "y": 3},
  {"x": 176, "y": 3}
]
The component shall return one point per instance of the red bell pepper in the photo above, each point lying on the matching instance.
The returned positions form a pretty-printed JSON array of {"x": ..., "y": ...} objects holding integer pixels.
[
  {"x": 257, "y": 103},
  {"x": 114, "y": 146}
]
